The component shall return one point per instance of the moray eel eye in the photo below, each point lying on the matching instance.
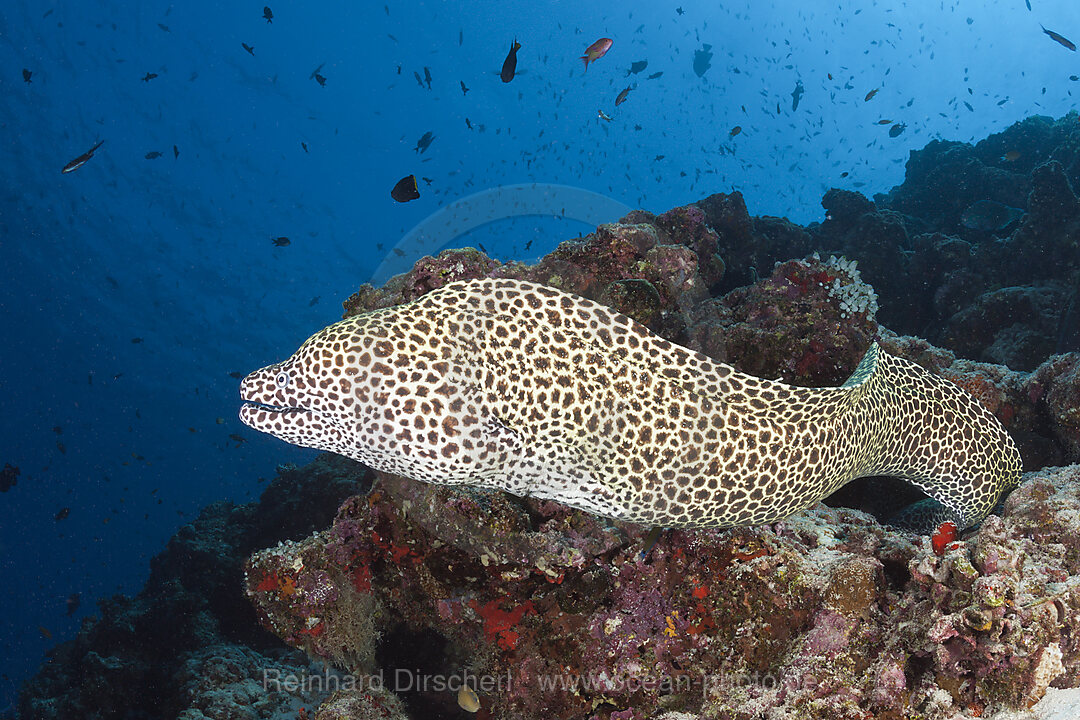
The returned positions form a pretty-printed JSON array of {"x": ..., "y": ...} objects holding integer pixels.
[{"x": 282, "y": 380}]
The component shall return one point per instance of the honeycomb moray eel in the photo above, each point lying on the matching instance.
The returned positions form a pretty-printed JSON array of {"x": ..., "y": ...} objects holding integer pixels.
[{"x": 517, "y": 386}]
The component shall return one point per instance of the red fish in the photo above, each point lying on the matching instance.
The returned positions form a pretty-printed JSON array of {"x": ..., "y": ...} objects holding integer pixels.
[
  {"x": 81, "y": 160},
  {"x": 945, "y": 534},
  {"x": 596, "y": 51}
]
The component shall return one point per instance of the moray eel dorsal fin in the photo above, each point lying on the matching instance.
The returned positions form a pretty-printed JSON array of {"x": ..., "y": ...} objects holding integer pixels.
[{"x": 518, "y": 386}]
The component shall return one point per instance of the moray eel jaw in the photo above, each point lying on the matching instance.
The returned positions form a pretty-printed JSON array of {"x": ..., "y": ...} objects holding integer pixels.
[{"x": 275, "y": 404}]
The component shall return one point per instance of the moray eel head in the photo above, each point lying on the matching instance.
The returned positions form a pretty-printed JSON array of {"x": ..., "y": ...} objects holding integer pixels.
[
  {"x": 355, "y": 389},
  {"x": 287, "y": 400}
]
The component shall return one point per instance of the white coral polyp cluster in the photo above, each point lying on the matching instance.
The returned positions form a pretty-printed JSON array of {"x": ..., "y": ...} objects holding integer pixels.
[{"x": 853, "y": 295}]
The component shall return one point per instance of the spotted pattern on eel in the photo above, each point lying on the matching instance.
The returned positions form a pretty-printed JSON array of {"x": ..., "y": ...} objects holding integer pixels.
[{"x": 517, "y": 386}]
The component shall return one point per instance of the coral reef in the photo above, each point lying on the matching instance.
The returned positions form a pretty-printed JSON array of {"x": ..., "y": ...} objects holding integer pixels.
[
  {"x": 191, "y": 601},
  {"x": 416, "y": 590},
  {"x": 828, "y": 613}
]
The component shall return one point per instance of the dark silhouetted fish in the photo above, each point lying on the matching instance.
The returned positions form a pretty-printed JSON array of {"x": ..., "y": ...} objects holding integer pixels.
[
  {"x": 896, "y": 129},
  {"x": 249, "y": 48},
  {"x": 81, "y": 160},
  {"x": 636, "y": 67},
  {"x": 1060, "y": 39},
  {"x": 405, "y": 189},
  {"x": 796, "y": 95},
  {"x": 989, "y": 216},
  {"x": 26, "y": 75},
  {"x": 621, "y": 98},
  {"x": 510, "y": 63},
  {"x": 703, "y": 60},
  {"x": 268, "y": 14},
  {"x": 424, "y": 142},
  {"x": 152, "y": 155}
]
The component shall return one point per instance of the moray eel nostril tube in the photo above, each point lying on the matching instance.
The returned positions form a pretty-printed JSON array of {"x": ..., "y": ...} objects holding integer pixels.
[{"x": 513, "y": 385}]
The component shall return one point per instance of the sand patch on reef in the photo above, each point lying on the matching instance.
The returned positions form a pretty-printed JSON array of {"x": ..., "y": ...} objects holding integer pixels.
[{"x": 1055, "y": 705}]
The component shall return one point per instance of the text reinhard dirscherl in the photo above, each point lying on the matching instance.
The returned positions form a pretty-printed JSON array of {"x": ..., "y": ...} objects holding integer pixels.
[{"x": 404, "y": 680}]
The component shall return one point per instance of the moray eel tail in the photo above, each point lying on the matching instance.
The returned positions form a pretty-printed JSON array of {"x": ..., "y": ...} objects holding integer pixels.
[{"x": 939, "y": 438}]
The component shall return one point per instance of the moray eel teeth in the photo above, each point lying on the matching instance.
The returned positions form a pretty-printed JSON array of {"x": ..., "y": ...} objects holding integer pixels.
[{"x": 511, "y": 385}]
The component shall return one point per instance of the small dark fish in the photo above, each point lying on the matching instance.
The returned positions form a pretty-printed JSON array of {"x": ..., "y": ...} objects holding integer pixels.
[
  {"x": 796, "y": 95},
  {"x": 1028, "y": 3},
  {"x": 658, "y": 158},
  {"x": 26, "y": 75},
  {"x": 655, "y": 75},
  {"x": 405, "y": 189},
  {"x": 419, "y": 80},
  {"x": 884, "y": 122},
  {"x": 871, "y": 94},
  {"x": 72, "y": 603},
  {"x": 316, "y": 71},
  {"x": 529, "y": 244},
  {"x": 510, "y": 63},
  {"x": 464, "y": 90},
  {"x": 321, "y": 79},
  {"x": 1060, "y": 39},
  {"x": 136, "y": 341},
  {"x": 427, "y": 77},
  {"x": 968, "y": 106},
  {"x": 989, "y": 216},
  {"x": 703, "y": 60},
  {"x": 1074, "y": 78},
  {"x": 424, "y": 142},
  {"x": 636, "y": 67},
  {"x": 175, "y": 152},
  {"x": 679, "y": 10},
  {"x": 280, "y": 241},
  {"x": 735, "y": 131},
  {"x": 844, "y": 174},
  {"x": 460, "y": 37},
  {"x": 268, "y": 14},
  {"x": 152, "y": 155},
  {"x": 9, "y": 477},
  {"x": 313, "y": 301},
  {"x": 81, "y": 160},
  {"x": 238, "y": 439},
  {"x": 249, "y": 48},
  {"x": 304, "y": 145},
  {"x": 428, "y": 180},
  {"x": 896, "y": 129},
  {"x": 149, "y": 76},
  {"x": 236, "y": 375},
  {"x": 468, "y": 124},
  {"x": 62, "y": 514},
  {"x": 603, "y": 115},
  {"x": 164, "y": 28},
  {"x": 621, "y": 98}
]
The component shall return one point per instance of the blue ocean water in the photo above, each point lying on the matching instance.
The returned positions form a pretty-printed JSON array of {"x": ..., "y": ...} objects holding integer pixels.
[{"x": 133, "y": 288}]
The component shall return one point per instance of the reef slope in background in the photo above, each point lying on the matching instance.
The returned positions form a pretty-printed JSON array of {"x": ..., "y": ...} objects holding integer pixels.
[{"x": 827, "y": 614}]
